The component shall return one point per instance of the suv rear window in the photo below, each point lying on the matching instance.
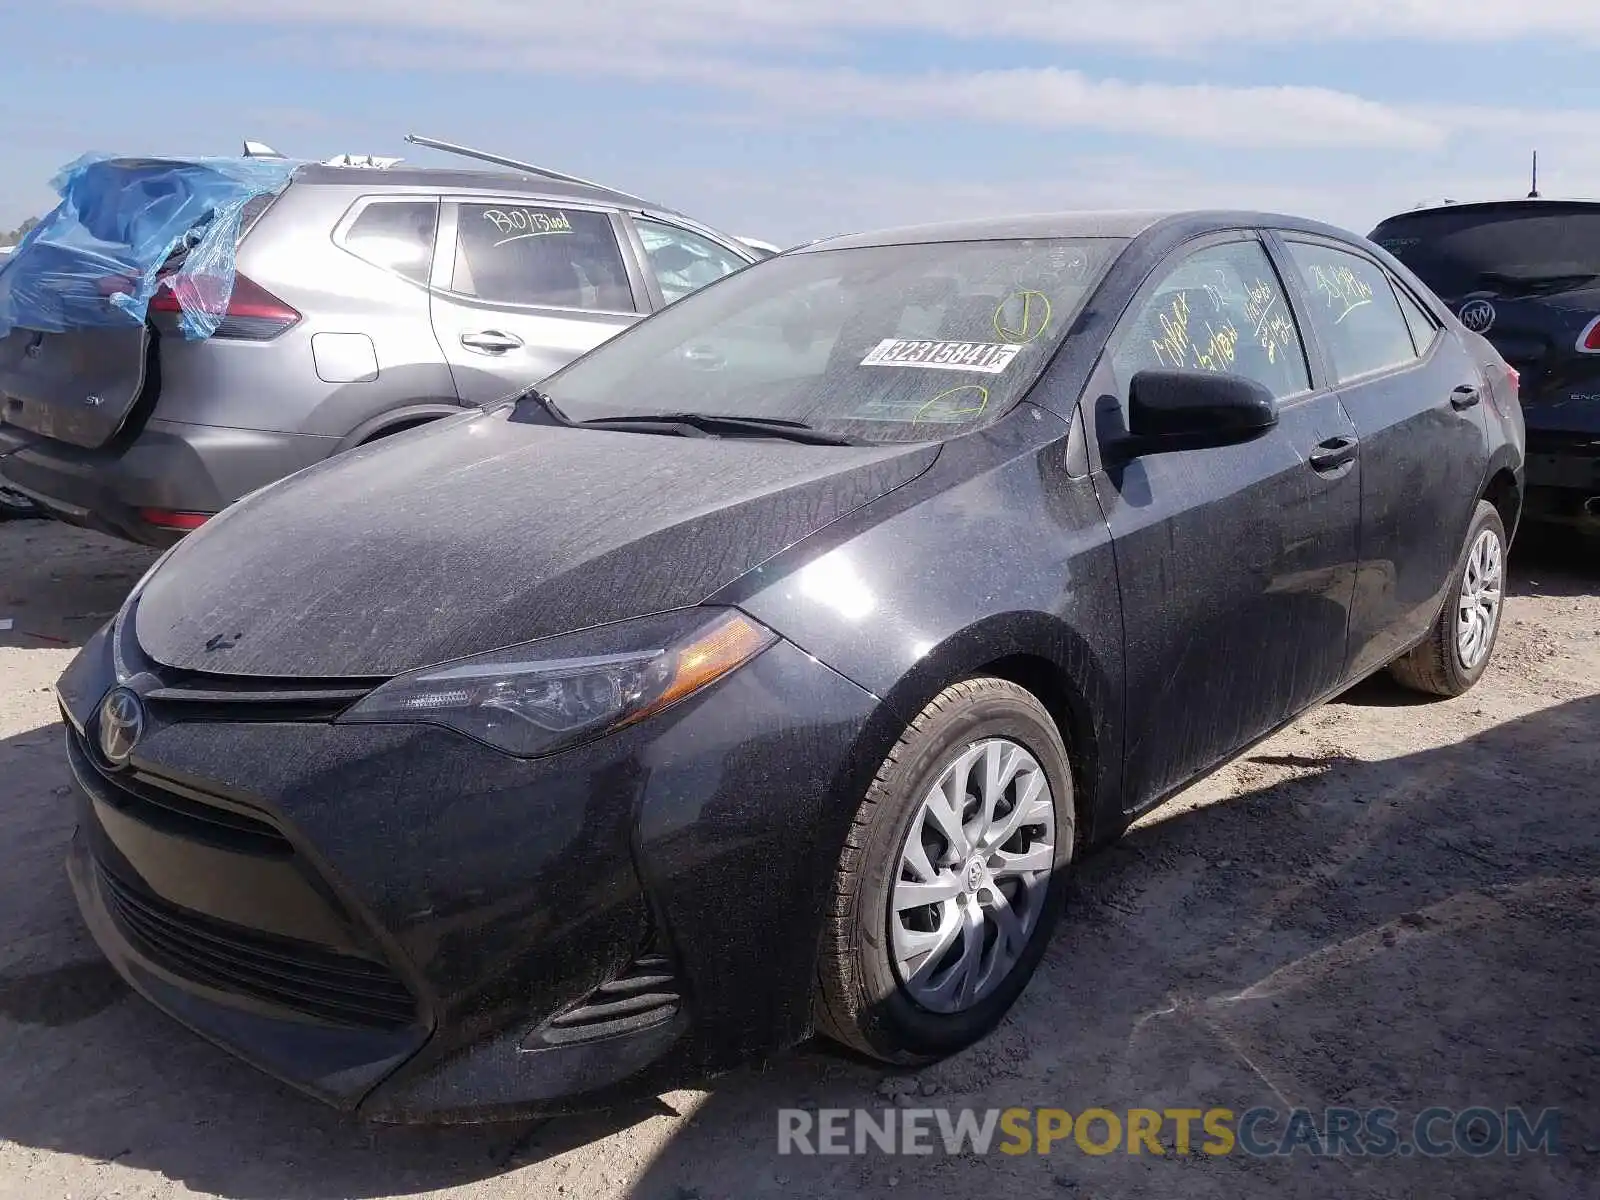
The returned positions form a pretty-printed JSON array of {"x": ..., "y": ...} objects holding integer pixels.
[
  {"x": 539, "y": 255},
  {"x": 1513, "y": 250}
]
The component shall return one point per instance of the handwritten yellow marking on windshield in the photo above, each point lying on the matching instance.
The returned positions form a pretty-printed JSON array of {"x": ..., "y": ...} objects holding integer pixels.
[
  {"x": 976, "y": 405},
  {"x": 1022, "y": 316},
  {"x": 1341, "y": 288}
]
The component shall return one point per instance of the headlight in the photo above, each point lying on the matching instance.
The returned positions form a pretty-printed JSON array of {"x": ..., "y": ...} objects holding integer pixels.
[{"x": 535, "y": 699}]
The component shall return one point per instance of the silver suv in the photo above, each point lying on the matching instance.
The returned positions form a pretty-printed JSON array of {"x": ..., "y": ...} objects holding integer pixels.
[{"x": 366, "y": 302}]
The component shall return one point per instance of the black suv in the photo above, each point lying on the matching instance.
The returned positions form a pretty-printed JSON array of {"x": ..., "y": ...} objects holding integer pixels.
[{"x": 1526, "y": 275}]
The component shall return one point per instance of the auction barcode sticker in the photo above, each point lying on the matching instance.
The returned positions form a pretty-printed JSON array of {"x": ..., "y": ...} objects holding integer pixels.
[{"x": 988, "y": 357}]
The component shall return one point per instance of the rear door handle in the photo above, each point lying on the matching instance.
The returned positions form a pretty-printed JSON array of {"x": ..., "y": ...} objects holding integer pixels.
[
  {"x": 1464, "y": 397},
  {"x": 491, "y": 341},
  {"x": 1333, "y": 454}
]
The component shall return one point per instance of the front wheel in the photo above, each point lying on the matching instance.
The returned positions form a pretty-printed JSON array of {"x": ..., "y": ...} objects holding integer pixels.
[
  {"x": 951, "y": 879},
  {"x": 1456, "y": 652}
]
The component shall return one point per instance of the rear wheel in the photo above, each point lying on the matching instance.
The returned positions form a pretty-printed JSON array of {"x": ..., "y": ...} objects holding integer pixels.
[
  {"x": 951, "y": 879},
  {"x": 1457, "y": 650}
]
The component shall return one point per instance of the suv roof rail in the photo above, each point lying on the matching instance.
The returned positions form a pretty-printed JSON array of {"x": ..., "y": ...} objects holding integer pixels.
[{"x": 516, "y": 164}]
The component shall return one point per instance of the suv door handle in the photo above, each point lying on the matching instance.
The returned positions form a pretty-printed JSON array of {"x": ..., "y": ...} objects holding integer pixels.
[
  {"x": 1333, "y": 454},
  {"x": 1464, "y": 397},
  {"x": 491, "y": 341}
]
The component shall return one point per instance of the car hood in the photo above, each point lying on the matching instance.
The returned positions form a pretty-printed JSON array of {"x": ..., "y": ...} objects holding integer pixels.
[{"x": 483, "y": 533}]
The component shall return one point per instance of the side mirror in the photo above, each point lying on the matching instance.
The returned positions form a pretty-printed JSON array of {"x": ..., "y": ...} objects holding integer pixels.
[{"x": 1195, "y": 410}]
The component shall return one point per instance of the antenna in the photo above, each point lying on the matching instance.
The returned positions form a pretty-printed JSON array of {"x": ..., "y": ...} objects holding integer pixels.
[
  {"x": 1534, "y": 194},
  {"x": 259, "y": 150},
  {"x": 515, "y": 164}
]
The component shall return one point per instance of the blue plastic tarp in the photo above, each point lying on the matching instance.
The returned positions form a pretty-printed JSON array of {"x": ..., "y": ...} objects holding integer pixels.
[{"x": 127, "y": 227}]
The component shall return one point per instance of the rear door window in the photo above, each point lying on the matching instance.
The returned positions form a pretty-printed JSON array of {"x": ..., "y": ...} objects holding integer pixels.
[
  {"x": 396, "y": 235},
  {"x": 1353, "y": 309},
  {"x": 538, "y": 255},
  {"x": 681, "y": 261},
  {"x": 1220, "y": 309}
]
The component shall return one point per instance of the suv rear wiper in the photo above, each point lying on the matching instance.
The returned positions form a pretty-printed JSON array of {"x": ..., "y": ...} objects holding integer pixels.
[
  {"x": 691, "y": 424},
  {"x": 1535, "y": 285}
]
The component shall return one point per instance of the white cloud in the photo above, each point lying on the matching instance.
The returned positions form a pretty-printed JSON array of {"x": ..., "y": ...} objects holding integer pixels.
[
  {"x": 776, "y": 55},
  {"x": 782, "y": 61},
  {"x": 1251, "y": 117},
  {"x": 807, "y": 204},
  {"x": 1164, "y": 25}
]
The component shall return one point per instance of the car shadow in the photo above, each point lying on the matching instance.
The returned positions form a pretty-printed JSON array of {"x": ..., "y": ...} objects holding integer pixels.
[
  {"x": 59, "y": 584},
  {"x": 1549, "y": 561},
  {"x": 1404, "y": 932},
  {"x": 1308, "y": 940}
]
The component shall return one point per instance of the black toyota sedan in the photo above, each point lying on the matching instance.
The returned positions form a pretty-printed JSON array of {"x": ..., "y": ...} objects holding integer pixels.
[{"x": 766, "y": 670}]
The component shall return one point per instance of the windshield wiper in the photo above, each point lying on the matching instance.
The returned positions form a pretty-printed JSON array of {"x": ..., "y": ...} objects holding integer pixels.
[
  {"x": 691, "y": 424},
  {"x": 1535, "y": 284}
]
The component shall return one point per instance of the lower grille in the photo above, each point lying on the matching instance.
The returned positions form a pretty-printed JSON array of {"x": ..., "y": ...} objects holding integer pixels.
[
  {"x": 646, "y": 995},
  {"x": 318, "y": 983}
]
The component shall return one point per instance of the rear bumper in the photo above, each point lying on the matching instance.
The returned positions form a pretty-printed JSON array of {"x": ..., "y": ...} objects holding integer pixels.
[
  {"x": 170, "y": 466},
  {"x": 1563, "y": 464}
]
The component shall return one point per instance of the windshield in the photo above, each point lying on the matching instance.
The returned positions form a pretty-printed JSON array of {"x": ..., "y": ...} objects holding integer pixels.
[
  {"x": 881, "y": 344},
  {"x": 1511, "y": 250}
]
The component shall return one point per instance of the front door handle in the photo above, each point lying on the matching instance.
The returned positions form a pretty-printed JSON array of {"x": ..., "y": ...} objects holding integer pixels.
[
  {"x": 1333, "y": 454},
  {"x": 491, "y": 341},
  {"x": 1464, "y": 397}
]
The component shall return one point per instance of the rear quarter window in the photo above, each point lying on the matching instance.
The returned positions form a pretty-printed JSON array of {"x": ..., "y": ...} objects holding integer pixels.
[{"x": 396, "y": 235}]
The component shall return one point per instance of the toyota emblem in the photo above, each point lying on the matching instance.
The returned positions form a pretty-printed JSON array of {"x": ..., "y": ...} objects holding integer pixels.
[
  {"x": 121, "y": 725},
  {"x": 1477, "y": 315}
]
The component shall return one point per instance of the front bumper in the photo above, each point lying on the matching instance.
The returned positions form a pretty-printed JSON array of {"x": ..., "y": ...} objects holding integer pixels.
[
  {"x": 170, "y": 466},
  {"x": 406, "y": 924}
]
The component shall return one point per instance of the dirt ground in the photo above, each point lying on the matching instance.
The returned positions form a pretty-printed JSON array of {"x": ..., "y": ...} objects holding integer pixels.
[{"x": 1392, "y": 903}]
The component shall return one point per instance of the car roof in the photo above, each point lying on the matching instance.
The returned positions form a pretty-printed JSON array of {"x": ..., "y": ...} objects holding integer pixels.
[
  {"x": 452, "y": 179},
  {"x": 1114, "y": 223}
]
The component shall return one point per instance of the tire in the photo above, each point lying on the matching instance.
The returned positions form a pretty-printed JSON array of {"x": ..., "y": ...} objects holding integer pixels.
[
  {"x": 869, "y": 998},
  {"x": 14, "y": 506},
  {"x": 1438, "y": 665}
]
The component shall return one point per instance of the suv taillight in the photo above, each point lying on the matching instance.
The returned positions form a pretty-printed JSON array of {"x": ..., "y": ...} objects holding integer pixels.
[
  {"x": 254, "y": 314},
  {"x": 1589, "y": 339}
]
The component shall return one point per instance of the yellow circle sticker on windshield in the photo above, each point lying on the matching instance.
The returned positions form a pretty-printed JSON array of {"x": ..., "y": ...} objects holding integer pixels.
[{"x": 1022, "y": 316}]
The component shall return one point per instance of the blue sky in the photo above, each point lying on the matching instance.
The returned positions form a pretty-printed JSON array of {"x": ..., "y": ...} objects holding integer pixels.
[{"x": 791, "y": 119}]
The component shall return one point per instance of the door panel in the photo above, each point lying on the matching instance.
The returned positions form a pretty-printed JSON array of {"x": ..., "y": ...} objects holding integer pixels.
[
  {"x": 1237, "y": 570},
  {"x": 520, "y": 290},
  {"x": 1236, "y": 563},
  {"x": 1424, "y": 448}
]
